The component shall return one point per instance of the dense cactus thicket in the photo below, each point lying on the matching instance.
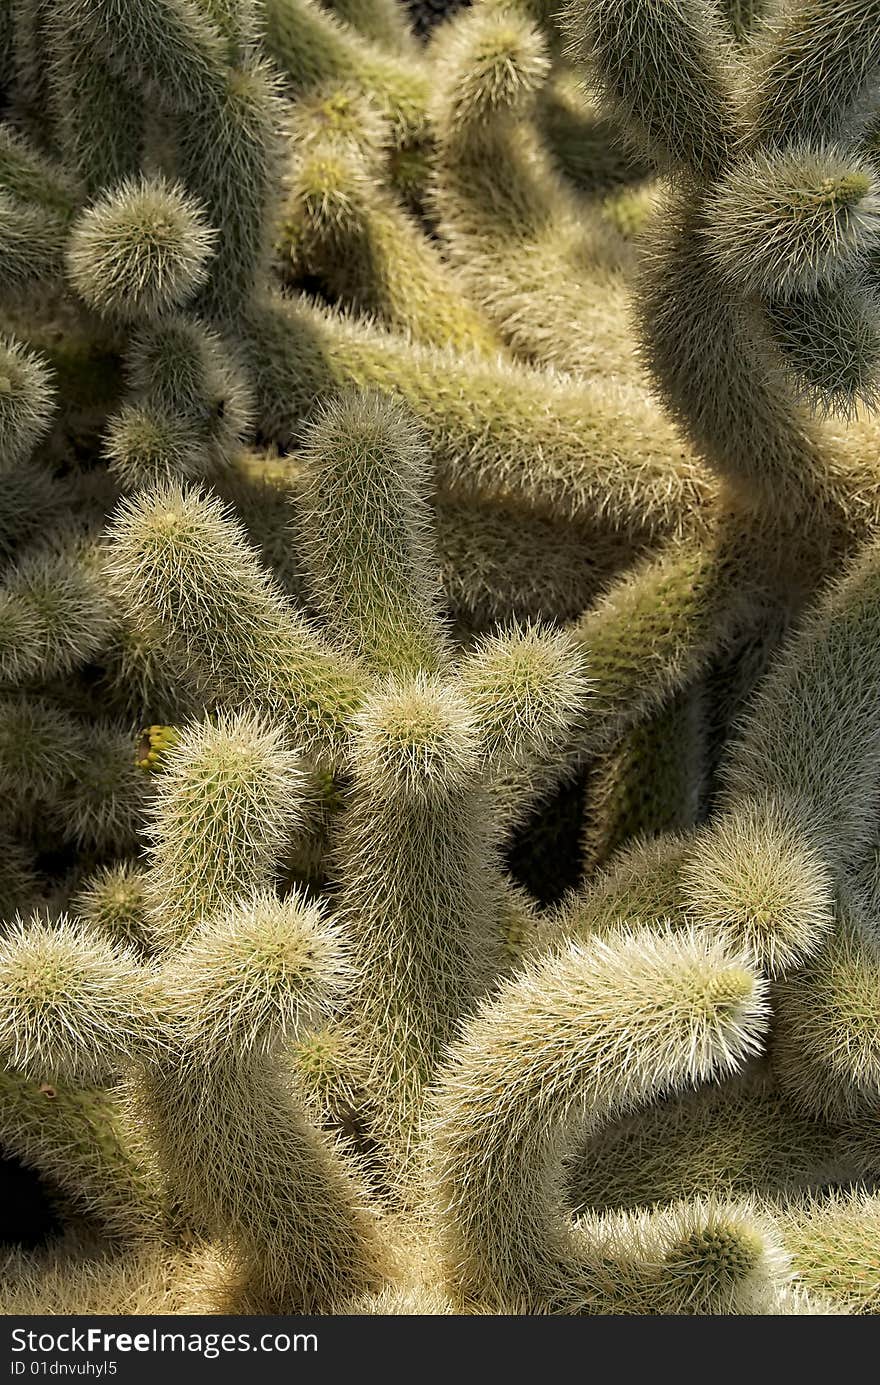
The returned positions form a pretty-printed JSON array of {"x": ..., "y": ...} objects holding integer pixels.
[{"x": 440, "y": 656}]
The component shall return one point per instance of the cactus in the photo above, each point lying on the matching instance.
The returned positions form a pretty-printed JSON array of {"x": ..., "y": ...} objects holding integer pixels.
[
  {"x": 139, "y": 250},
  {"x": 555, "y": 1045},
  {"x": 439, "y": 551}
]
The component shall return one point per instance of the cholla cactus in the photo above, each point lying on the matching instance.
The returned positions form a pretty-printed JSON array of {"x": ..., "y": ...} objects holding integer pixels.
[{"x": 439, "y": 618}]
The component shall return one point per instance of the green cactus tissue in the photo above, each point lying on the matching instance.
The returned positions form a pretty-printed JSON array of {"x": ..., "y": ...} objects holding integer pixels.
[{"x": 440, "y": 656}]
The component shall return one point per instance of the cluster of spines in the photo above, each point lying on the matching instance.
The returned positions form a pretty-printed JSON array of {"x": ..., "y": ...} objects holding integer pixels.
[{"x": 435, "y": 756}]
